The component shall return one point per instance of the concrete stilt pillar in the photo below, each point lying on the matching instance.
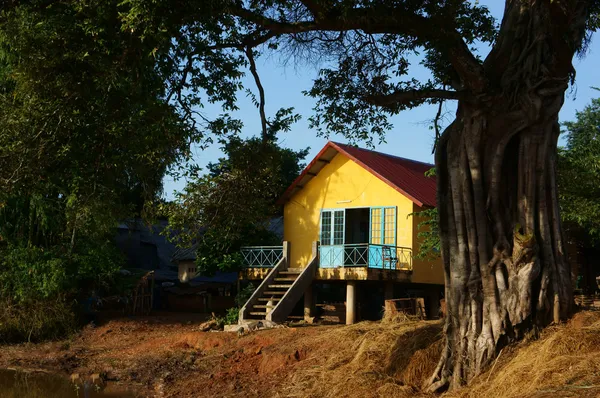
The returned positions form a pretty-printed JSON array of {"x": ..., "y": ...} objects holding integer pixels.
[
  {"x": 350, "y": 302},
  {"x": 308, "y": 303},
  {"x": 389, "y": 290},
  {"x": 434, "y": 302}
]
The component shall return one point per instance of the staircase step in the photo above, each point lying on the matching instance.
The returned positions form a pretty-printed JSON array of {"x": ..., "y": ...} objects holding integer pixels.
[
  {"x": 258, "y": 313},
  {"x": 291, "y": 272},
  {"x": 279, "y": 292},
  {"x": 279, "y": 286},
  {"x": 285, "y": 279},
  {"x": 263, "y": 306},
  {"x": 269, "y": 299}
]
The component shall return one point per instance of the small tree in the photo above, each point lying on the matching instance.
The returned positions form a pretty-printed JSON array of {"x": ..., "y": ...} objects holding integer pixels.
[{"x": 232, "y": 205}]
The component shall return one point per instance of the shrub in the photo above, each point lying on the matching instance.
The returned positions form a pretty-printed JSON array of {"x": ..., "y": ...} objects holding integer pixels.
[
  {"x": 40, "y": 287},
  {"x": 36, "y": 320}
]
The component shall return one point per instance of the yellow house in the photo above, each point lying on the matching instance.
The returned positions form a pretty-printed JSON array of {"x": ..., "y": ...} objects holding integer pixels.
[{"x": 347, "y": 222}]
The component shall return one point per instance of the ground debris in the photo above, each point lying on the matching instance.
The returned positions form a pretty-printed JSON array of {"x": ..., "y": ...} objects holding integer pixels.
[{"x": 211, "y": 324}]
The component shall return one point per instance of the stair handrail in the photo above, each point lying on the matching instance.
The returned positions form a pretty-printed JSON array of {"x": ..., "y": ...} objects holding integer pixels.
[
  {"x": 283, "y": 308},
  {"x": 282, "y": 265}
]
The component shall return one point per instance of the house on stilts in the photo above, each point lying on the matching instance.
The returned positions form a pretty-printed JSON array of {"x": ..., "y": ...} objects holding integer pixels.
[{"x": 349, "y": 238}]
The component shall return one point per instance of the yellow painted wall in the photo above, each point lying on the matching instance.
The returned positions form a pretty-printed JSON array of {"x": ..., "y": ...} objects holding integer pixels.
[
  {"x": 341, "y": 180},
  {"x": 425, "y": 271}
]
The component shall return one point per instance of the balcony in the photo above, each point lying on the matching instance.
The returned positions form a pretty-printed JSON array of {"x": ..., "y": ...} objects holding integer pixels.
[
  {"x": 261, "y": 256},
  {"x": 366, "y": 255},
  {"x": 334, "y": 256}
]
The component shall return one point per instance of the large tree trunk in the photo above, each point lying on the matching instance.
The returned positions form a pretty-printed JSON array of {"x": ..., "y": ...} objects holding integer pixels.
[{"x": 502, "y": 243}]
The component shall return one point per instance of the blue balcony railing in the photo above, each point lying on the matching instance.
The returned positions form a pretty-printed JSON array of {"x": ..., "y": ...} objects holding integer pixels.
[
  {"x": 262, "y": 256},
  {"x": 366, "y": 255}
]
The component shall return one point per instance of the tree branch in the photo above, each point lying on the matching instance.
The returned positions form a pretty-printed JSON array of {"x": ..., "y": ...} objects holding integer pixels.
[
  {"x": 436, "y": 125},
  {"x": 251, "y": 40},
  {"x": 400, "y": 97},
  {"x": 381, "y": 20},
  {"x": 315, "y": 7},
  {"x": 261, "y": 93}
]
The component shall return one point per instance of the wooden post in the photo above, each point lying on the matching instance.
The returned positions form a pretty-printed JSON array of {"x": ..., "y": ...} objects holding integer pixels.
[
  {"x": 350, "y": 302},
  {"x": 389, "y": 290},
  {"x": 151, "y": 294},
  {"x": 308, "y": 303}
]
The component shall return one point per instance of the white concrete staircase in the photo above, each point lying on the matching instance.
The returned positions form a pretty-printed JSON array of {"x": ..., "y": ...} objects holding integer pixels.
[{"x": 281, "y": 290}]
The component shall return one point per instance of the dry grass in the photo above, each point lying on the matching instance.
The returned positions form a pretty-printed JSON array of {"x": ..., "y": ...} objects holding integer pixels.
[
  {"x": 369, "y": 359},
  {"x": 395, "y": 357},
  {"x": 564, "y": 362}
]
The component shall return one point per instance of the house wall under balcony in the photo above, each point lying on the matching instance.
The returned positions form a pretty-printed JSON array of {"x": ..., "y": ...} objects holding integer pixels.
[{"x": 428, "y": 270}]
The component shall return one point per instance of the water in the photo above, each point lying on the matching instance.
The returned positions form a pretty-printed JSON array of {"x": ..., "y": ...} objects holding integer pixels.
[{"x": 17, "y": 384}]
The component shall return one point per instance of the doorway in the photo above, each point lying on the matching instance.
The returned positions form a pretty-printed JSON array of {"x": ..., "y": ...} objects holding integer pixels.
[{"x": 356, "y": 249}]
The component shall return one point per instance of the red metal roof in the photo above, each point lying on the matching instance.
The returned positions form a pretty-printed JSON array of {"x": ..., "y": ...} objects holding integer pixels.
[{"x": 404, "y": 175}]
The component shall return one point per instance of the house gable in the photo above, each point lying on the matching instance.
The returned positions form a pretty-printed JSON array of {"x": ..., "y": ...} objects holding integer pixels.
[
  {"x": 404, "y": 175},
  {"x": 340, "y": 184}
]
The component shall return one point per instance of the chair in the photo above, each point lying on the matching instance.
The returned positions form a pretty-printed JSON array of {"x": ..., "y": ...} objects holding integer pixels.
[{"x": 388, "y": 257}]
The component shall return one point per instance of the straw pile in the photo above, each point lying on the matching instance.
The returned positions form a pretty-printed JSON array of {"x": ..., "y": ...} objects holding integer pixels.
[
  {"x": 394, "y": 358},
  {"x": 564, "y": 362},
  {"x": 369, "y": 359}
]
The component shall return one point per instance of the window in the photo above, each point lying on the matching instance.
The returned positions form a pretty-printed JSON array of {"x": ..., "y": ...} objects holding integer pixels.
[
  {"x": 383, "y": 226},
  {"x": 332, "y": 227},
  {"x": 326, "y": 228},
  {"x": 338, "y": 228},
  {"x": 389, "y": 226},
  {"x": 376, "y": 226}
]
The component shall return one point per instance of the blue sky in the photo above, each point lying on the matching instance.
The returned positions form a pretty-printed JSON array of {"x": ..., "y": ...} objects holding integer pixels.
[{"x": 410, "y": 137}]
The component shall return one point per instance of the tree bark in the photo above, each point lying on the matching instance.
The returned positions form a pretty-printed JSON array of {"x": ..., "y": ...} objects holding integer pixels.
[{"x": 502, "y": 244}]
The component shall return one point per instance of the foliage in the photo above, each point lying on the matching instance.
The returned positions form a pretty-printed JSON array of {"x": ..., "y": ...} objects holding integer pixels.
[
  {"x": 579, "y": 175},
  {"x": 244, "y": 295},
  {"x": 232, "y": 315},
  {"x": 233, "y": 204},
  {"x": 86, "y": 135},
  {"x": 428, "y": 227},
  {"x": 82, "y": 101},
  {"x": 368, "y": 49},
  {"x": 35, "y": 320},
  {"x": 428, "y": 235},
  {"x": 37, "y": 273}
]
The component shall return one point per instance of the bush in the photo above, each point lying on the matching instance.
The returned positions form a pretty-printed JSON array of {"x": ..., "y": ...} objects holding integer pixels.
[
  {"x": 36, "y": 320},
  {"x": 40, "y": 287},
  {"x": 233, "y": 314},
  {"x": 35, "y": 273},
  {"x": 244, "y": 295}
]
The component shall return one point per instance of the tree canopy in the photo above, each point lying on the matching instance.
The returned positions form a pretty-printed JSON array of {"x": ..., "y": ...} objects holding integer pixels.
[
  {"x": 579, "y": 175},
  {"x": 234, "y": 204},
  {"x": 86, "y": 135}
]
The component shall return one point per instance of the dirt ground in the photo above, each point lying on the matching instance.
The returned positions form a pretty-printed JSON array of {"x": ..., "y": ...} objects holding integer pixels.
[{"x": 165, "y": 355}]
